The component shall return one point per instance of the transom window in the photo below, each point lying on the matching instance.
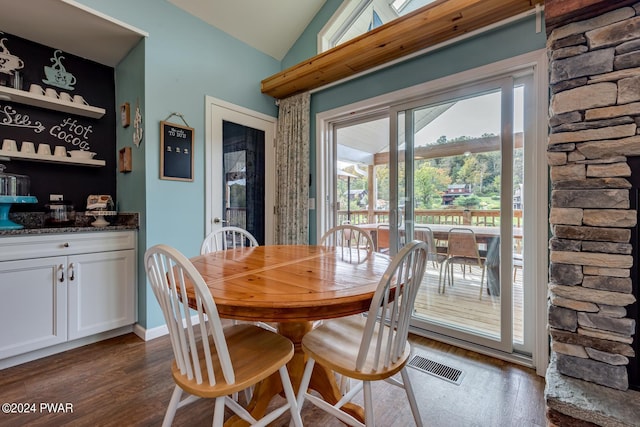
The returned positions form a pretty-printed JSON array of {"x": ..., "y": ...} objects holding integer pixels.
[{"x": 356, "y": 17}]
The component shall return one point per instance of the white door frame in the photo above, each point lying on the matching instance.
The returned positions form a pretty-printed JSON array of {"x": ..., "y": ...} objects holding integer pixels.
[{"x": 216, "y": 111}]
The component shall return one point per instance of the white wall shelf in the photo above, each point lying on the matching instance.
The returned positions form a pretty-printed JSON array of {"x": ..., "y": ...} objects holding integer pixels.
[
  {"x": 28, "y": 98},
  {"x": 51, "y": 159}
]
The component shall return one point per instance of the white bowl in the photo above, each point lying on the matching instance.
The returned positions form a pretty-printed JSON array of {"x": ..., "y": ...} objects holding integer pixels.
[{"x": 81, "y": 154}]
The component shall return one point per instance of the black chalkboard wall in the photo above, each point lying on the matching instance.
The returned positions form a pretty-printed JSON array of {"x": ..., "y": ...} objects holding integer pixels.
[{"x": 96, "y": 83}]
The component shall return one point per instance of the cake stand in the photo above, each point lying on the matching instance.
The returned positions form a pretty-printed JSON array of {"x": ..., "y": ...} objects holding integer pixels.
[
  {"x": 99, "y": 216},
  {"x": 5, "y": 205}
]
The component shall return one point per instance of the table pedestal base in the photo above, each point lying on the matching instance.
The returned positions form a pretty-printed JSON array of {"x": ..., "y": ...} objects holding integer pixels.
[{"x": 322, "y": 380}]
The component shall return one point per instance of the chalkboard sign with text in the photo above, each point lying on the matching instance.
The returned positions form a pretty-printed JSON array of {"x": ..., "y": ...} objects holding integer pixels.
[{"x": 176, "y": 152}]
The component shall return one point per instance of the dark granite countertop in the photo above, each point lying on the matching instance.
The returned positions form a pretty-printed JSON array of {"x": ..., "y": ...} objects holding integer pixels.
[{"x": 34, "y": 224}]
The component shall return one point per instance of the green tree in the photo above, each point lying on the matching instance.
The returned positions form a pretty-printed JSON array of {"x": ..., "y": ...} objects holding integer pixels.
[
  {"x": 471, "y": 172},
  {"x": 468, "y": 202},
  {"x": 429, "y": 183}
]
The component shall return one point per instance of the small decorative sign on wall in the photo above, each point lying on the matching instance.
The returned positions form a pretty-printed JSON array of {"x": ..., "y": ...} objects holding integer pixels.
[{"x": 176, "y": 152}]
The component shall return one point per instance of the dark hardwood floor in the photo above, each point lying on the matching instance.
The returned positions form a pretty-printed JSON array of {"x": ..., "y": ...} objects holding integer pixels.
[{"x": 127, "y": 382}]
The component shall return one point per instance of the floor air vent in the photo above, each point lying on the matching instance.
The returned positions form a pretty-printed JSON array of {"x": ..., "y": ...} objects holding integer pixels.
[{"x": 436, "y": 369}]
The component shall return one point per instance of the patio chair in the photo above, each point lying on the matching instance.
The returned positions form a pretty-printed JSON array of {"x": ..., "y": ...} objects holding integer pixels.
[
  {"x": 354, "y": 243},
  {"x": 462, "y": 250},
  {"x": 212, "y": 362},
  {"x": 517, "y": 264},
  {"x": 382, "y": 239},
  {"x": 374, "y": 347},
  {"x": 426, "y": 235}
]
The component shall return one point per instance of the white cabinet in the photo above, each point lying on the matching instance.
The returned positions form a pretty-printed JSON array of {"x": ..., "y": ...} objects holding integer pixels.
[
  {"x": 46, "y": 300},
  {"x": 33, "y": 308},
  {"x": 99, "y": 292}
]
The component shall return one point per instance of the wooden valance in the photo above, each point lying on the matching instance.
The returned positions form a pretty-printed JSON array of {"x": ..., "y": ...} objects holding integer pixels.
[{"x": 432, "y": 24}]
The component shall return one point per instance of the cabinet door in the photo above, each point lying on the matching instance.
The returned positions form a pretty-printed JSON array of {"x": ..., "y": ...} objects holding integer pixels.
[
  {"x": 101, "y": 292},
  {"x": 33, "y": 304}
]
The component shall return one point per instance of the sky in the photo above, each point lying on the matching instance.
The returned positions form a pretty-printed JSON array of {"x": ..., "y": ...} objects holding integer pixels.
[{"x": 471, "y": 117}]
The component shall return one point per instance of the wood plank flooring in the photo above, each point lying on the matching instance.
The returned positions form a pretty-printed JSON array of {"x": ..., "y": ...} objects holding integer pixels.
[
  {"x": 460, "y": 304},
  {"x": 125, "y": 381}
]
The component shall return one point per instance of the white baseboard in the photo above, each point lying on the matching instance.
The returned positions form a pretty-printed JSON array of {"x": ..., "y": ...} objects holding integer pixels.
[
  {"x": 150, "y": 334},
  {"x": 59, "y": 348},
  {"x": 158, "y": 331},
  {"x": 137, "y": 329}
]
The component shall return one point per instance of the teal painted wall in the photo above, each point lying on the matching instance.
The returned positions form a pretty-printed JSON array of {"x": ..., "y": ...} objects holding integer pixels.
[
  {"x": 130, "y": 186},
  {"x": 182, "y": 61},
  {"x": 307, "y": 44}
]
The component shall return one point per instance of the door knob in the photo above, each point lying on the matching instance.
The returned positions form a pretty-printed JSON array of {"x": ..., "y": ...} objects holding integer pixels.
[{"x": 217, "y": 220}]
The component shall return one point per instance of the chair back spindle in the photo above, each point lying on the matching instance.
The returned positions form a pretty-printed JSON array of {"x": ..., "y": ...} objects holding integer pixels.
[
  {"x": 227, "y": 238},
  {"x": 170, "y": 274},
  {"x": 392, "y": 305},
  {"x": 355, "y": 244}
]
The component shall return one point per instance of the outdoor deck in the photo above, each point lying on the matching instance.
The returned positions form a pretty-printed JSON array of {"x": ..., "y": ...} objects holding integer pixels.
[{"x": 460, "y": 305}]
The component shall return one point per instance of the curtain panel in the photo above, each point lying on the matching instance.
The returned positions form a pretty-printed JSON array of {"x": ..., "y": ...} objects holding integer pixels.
[{"x": 292, "y": 165}]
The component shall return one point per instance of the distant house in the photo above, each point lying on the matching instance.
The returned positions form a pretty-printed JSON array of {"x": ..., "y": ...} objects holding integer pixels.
[
  {"x": 517, "y": 198},
  {"x": 359, "y": 196},
  {"x": 454, "y": 191}
]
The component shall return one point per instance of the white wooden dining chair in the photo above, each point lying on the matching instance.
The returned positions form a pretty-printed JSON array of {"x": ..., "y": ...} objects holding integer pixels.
[
  {"x": 374, "y": 347},
  {"x": 209, "y": 361},
  {"x": 355, "y": 244},
  {"x": 230, "y": 238},
  {"x": 227, "y": 238}
]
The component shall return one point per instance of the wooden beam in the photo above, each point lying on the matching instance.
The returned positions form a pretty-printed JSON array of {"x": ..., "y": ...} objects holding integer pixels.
[
  {"x": 473, "y": 146},
  {"x": 428, "y": 26},
  {"x": 562, "y": 12}
]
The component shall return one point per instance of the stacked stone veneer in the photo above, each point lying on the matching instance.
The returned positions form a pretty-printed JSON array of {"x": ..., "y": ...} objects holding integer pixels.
[{"x": 594, "y": 127}]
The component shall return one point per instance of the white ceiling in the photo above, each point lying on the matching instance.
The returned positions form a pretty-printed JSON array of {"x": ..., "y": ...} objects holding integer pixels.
[
  {"x": 271, "y": 26},
  {"x": 58, "y": 23}
]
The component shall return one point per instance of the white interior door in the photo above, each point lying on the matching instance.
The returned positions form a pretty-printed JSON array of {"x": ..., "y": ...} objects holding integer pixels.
[{"x": 219, "y": 112}]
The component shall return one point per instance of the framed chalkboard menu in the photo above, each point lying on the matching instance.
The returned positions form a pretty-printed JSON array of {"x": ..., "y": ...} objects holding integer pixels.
[{"x": 176, "y": 152}]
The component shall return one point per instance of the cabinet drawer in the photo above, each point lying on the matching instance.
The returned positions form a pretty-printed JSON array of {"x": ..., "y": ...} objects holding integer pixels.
[{"x": 36, "y": 246}]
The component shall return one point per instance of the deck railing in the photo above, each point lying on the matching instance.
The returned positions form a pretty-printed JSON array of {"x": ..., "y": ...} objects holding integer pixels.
[{"x": 487, "y": 217}]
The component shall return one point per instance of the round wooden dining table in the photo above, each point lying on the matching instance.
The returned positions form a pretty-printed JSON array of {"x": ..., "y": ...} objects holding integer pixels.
[{"x": 293, "y": 286}]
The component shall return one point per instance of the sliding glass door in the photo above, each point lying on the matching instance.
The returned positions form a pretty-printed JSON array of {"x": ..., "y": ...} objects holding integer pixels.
[
  {"x": 457, "y": 182},
  {"x": 448, "y": 169}
]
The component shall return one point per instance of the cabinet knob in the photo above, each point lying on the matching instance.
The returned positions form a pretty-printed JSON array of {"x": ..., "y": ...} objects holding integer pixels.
[{"x": 65, "y": 244}]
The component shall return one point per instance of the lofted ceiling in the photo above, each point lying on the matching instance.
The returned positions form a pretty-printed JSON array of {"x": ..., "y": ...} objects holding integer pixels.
[
  {"x": 271, "y": 26},
  {"x": 435, "y": 23}
]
